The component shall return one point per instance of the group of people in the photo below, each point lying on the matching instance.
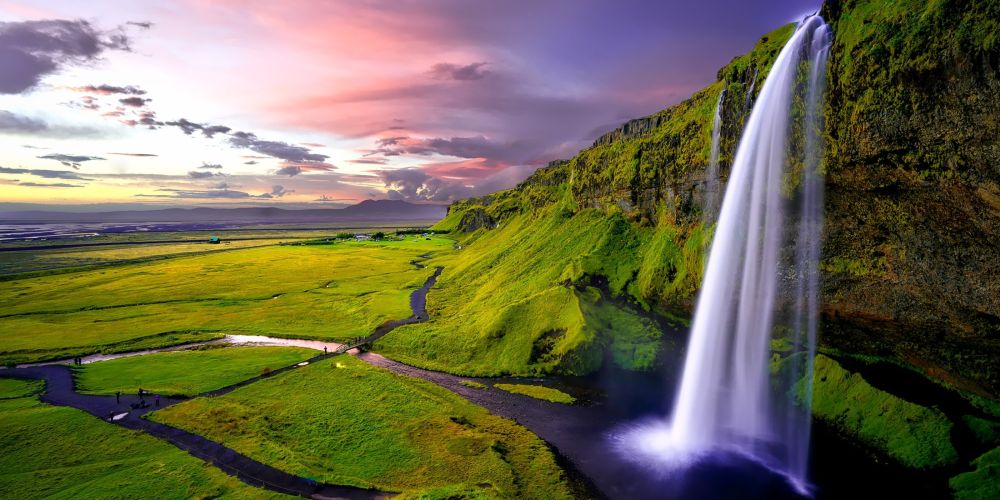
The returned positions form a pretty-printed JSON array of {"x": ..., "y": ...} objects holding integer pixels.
[
  {"x": 142, "y": 393},
  {"x": 78, "y": 360}
]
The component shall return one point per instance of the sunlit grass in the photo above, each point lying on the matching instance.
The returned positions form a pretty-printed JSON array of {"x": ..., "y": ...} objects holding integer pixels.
[
  {"x": 343, "y": 421},
  {"x": 59, "y": 452},
  {"x": 538, "y": 392},
  {"x": 185, "y": 373},
  {"x": 334, "y": 291}
]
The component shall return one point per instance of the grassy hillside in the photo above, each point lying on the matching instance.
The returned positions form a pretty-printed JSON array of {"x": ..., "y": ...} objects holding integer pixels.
[
  {"x": 913, "y": 212},
  {"x": 562, "y": 270}
]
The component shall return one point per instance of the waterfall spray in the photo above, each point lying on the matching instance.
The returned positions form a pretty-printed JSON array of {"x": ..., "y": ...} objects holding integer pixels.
[{"x": 759, "y": 297}]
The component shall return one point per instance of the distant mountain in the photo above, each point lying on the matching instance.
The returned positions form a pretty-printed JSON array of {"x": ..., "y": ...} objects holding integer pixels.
[{"x": 368, "y": 210}]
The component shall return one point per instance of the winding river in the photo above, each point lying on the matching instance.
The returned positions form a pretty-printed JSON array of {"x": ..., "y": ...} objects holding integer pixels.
[{"x": 579, "y": 434}]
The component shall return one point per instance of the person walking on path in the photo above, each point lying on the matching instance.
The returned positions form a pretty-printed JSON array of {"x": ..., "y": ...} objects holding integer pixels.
[
  {"x": 324, "y": 349},
  {"x": 157, "y": 399},
  {"x": 118, "y": 397}
]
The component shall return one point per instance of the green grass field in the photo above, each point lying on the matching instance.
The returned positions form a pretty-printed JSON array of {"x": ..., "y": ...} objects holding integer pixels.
[
  {"x": 538, "y": 392},
  {"x": 185, "y": 373},
  {"x": 58, "y": 452},
  {"x": 332, "y": 291},
  {"x": 58, "y": 258},
  {"x": 343, "y": 421}
]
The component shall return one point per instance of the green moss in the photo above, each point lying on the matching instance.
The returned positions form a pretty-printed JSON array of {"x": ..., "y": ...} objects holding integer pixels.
[
  {"x": 981, "y": 483},
  {"x": 986, "y": 431},
  {"x": 916, "y": 436},
  {"x": 473, "y": 384},
  {"x": 538, "y": 392}
]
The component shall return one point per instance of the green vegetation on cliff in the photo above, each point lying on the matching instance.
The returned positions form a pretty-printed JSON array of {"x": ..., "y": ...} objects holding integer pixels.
[
  {"x": 983, "y": 482},
  {"x": 343, "y": 421},
  {"x": 916, "y": 436}
]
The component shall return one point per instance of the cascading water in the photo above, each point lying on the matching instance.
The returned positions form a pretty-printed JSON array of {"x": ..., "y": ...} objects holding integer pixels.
[
  {"x": 711, "y": 208},
  {"x": 747, "y": 379}
]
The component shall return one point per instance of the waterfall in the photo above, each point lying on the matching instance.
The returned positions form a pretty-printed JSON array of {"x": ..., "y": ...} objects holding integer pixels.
[
  {"x": 759, "y": 297},
  {"x": 710, "y": 209}
]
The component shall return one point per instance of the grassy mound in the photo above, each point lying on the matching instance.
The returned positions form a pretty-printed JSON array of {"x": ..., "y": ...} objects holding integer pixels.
[
  {"x": 185, "y": 373},
  {"x": 342, "y": 421},
  {"x": 538, "y": 392},
  {"x": 916, "y": 436}
]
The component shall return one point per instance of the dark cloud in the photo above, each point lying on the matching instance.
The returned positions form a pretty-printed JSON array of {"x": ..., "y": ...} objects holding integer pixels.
[
  {"x": 220, "y": 191},
  {"x": 448, "y": 71},
  {"x": 104, "y": 89},
  {"x": 312, "y": 145},
  {"x": 369, "y": 161},
  {"x": 16, "y": 124},
  {"x": 70, "y": 160},
  {"x": 55, "y": 185},
  {"x": 197, "y": 194},
  {"x": 141, "y": 24},
  {"x": 189, "y": 127},
  {"x": 31, "y": 50},
  {"x": 277, "y": 191},
  {"x": 137, "y": 155},
  {"x": 459, "y": 147},
  {"x": 135, "y": 102},
  {"x": 194, "y": 174},
  {"x": 215, "y": 166},
  {"x": 276, "y": 149},
  {"x": 47, "y": 174},
  {"x": 292, "y": 169},
  {"x": 415, "y": 184},
  {"x": 251, "y": 162}
]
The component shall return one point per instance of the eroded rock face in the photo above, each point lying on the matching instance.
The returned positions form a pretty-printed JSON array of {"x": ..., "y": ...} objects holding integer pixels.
[{"x": 911, "y": 253}]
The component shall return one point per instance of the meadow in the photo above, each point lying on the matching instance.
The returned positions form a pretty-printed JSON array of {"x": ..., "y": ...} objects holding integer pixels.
[
  {"x": 330, "y": 291},
  {"x": 343, "y": 421},
  {"x": 59, "y": 452},
  {"x": 37, "y": 261},
  {"x": 187, "y": 372}
]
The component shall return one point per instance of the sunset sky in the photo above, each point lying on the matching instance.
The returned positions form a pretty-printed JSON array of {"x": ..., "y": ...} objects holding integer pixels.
[{"x": 295, "y": 103}]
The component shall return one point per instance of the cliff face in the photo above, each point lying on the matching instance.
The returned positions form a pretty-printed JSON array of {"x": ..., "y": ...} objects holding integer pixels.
[
  {"x": 911, "y": 256},
  {"x": 912, "y": 250}
]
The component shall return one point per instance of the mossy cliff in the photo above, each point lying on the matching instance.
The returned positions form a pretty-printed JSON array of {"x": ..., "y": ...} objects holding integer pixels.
[{"x": 910, "y": 255}]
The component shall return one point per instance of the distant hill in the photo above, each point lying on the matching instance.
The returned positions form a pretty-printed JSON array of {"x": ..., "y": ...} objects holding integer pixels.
[{"x": 368, "y": 210}]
